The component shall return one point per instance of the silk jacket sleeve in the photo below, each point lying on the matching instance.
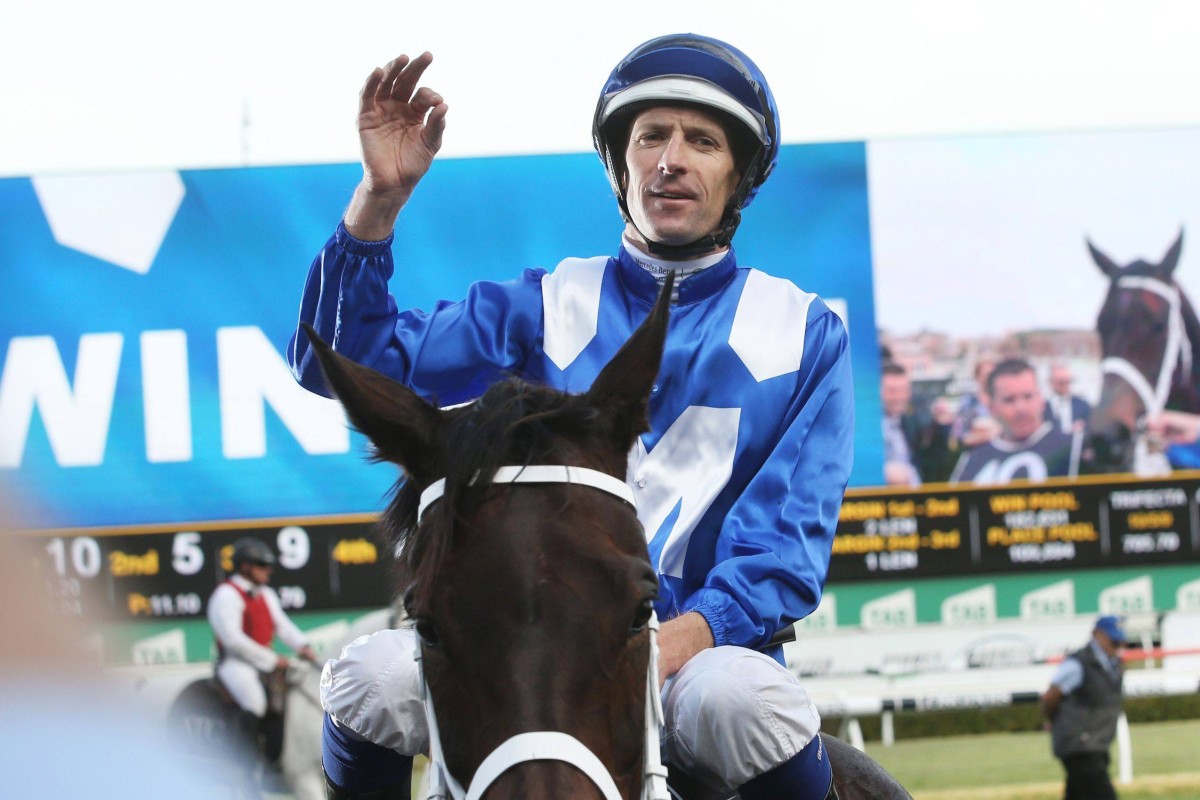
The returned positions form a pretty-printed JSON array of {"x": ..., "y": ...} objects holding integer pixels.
[
  {"x": 451, "y": 353},
  {"x": 285, "y": 629},
  {"x": 774, "y": 547}
]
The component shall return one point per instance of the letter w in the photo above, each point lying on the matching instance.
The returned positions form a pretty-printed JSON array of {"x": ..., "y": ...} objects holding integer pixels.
[{"x": 76, "y": 420}]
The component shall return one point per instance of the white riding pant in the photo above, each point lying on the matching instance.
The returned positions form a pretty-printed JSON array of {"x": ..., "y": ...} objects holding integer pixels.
[
  {"x": 244, "y": 684},
  {"x": 731, "y": 713}
]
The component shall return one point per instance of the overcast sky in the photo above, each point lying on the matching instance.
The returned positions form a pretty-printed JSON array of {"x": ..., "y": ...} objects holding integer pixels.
[
  {"x": 985, "y": 235},
  {"x": 132, "y": 85}
]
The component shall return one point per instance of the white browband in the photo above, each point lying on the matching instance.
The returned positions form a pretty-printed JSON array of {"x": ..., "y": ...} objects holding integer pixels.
[
  {"x": 548, "y": 745},
  {"x": 554, "y": 473}
]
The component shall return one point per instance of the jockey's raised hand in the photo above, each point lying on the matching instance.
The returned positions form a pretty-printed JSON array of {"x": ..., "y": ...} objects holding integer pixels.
[{"x": 400, "y": 130}]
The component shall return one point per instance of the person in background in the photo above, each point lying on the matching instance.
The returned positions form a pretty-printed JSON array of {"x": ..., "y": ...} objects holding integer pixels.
[
  {"x": 246, "y": 615},
  {"x": 1180, "y": 432},
  {"x": 973, "y": 424},
  {"x": 1027, "y": 447},
  {"x": 899, "y": 427},
  {"x": 1082, "y": 707},
  {"x": 70, "y": 728},
  {"x": 916, "y": 444},
  {"x": 937, "y": 455},
  {"x": 1069, "y": 412}
]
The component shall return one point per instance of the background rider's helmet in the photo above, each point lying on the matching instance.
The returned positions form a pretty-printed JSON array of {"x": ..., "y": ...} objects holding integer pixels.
[
  {"x": 251, "y": 551},
  {"x": 692, "y": 70}
]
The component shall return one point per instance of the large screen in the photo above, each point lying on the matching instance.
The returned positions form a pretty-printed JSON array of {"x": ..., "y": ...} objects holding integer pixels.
[{"x": 148, "y": 419}]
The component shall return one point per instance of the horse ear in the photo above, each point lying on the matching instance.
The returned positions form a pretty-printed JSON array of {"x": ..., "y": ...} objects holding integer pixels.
[
  {"x": 622, "y": 389},
  {"x": 1171, "y": 259},
  {"x": 1106, "y": 264},
  {"x": 404, "y": 429}
]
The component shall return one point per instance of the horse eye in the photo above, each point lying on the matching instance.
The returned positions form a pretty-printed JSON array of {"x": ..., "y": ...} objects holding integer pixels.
[
  {"x": 409, "y": 593},
  {"x": 427, "y": 632},
  {"x": 641, "y": 617}
]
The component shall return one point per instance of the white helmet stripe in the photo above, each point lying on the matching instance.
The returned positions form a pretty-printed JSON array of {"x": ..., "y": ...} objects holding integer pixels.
[{"x": 685, "y": 89}]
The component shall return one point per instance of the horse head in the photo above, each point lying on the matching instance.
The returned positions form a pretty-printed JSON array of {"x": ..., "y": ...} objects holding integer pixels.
[
  {"x": 1147, "y": 329},
  {"x": 532, "y": 601}
]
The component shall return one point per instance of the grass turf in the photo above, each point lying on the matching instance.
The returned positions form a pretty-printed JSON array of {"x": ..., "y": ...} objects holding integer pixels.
[{"x": 1020, "y": 766}]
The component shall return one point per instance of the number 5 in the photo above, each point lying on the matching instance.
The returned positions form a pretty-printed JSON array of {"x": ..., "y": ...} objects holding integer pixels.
[{"x": 186, "y": 556}]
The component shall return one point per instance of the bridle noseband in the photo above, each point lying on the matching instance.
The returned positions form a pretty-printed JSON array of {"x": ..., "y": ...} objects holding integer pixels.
[
  {"x": 547, "y": 745},
  {"x": 1176, "y": 352}
]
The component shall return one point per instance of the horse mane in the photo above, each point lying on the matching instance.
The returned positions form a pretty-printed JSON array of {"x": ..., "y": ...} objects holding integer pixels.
[{"x": 514, "y": 423}]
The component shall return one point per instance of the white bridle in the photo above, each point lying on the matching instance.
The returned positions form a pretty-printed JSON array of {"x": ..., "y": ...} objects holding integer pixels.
[
  {"x": 547, "y": 745},
  {"x": 1178, "y": 349}
]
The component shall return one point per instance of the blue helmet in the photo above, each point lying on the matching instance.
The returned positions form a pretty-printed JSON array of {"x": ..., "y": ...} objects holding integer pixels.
[{"x": 691, "y": 69}]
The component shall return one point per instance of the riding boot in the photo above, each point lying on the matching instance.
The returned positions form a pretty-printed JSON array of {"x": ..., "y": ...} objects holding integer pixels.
[
  {"x": 248, "y": 727},
  {"x": 804, "y": 776},
  {"x": 272, "y": 730}
]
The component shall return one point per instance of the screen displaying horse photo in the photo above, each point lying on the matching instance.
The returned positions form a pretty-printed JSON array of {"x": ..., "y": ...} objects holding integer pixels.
[{"x": 1039, "y": 382}]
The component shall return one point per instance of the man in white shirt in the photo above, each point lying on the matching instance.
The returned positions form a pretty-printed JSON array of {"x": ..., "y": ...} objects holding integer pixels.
[{"x": 245, "y": 614}]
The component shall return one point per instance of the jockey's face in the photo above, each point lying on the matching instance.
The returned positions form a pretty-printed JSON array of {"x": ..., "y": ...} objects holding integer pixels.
[
  {"x": 1017, "y": 403},
  {"x": 680, "y": 173},
  {"x": 258, "y": 574}
]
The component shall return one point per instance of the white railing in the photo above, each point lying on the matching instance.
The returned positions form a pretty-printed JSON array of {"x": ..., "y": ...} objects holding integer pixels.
[{"x": 860, "y": 673}]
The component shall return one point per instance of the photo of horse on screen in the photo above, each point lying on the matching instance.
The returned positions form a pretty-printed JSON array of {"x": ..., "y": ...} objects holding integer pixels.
[{"x": 1150, "y": 342}]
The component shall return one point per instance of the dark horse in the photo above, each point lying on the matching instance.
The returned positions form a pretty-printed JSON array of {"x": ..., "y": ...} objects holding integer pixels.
[
  {"x": 1149, "y": 337},
  {"x": 533, "y": 601}
]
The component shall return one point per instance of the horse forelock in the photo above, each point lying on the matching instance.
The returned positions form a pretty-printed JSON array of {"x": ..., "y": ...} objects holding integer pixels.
[{"x": 514, "y": 423}]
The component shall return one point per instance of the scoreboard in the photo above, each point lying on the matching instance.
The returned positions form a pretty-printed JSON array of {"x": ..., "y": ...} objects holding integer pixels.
[
  {"x": 1056, "y": 524},
  {"x": 330, "y": 563},
  {"x": 161, "y": 572}
]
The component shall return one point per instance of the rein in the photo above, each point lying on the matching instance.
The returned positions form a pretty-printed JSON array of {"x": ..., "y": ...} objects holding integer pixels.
[{"x": 547, "y": 745}]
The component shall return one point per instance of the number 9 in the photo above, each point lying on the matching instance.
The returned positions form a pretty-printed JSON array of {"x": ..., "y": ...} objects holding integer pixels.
[{"x": 294, "y": 548}]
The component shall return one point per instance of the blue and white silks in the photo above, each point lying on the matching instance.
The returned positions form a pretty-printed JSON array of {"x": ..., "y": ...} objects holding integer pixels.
[{"x": 740, "y": 480}]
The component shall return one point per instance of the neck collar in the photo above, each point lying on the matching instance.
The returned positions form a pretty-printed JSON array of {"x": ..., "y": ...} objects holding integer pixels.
[
  {"x": 1013, "y": 445},
  {"x": 701, "y": 277},
  {"x": 243, "y": 583}
]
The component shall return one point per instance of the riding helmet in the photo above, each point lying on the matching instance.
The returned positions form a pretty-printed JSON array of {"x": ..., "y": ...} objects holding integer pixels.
[
  {"x": 691, "y": 69},
  {"x": 251, "y": 551}
]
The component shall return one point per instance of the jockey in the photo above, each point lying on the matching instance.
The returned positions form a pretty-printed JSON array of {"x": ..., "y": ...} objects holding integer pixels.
[
  {"x": 740, "y": 480},
  {"x": 245, "y": 615}
]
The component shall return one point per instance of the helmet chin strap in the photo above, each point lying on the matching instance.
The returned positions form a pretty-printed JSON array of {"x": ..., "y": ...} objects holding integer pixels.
[{"x": 718, "y": 240}]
